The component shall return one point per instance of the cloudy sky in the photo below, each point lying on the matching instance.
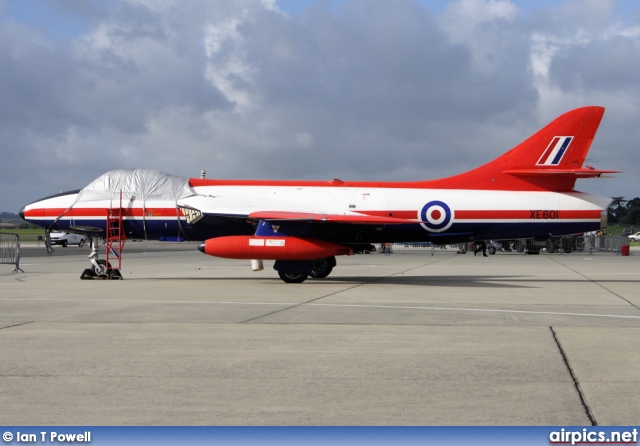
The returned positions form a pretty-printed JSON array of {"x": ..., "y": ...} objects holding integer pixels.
[{"x": 284, "y": 89}]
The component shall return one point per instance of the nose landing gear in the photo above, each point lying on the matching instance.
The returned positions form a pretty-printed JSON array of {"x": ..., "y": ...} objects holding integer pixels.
[{"x": 100, "y": 268}]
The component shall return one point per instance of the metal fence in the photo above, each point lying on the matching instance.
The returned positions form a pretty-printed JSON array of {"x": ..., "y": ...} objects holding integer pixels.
[
  {"x": 558, "y": 245},
  {"x": 32, "y": 238},
  {"x": 606, "y": 244},
  {"x": 10, "y": 250}
]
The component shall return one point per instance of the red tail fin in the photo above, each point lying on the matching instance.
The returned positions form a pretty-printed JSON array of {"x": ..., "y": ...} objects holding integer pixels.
[{"x": 551, "y": 159}]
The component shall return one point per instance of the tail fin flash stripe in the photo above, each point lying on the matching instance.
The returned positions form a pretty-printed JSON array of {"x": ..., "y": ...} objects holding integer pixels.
[
  {"x": 545, "y": 155},
  {"x": 556, "y": 150},
  {"x": 560, "y": 154}
]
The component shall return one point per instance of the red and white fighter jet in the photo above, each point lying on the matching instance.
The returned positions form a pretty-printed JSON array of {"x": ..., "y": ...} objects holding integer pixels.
[{"x": 304, "y": 225}]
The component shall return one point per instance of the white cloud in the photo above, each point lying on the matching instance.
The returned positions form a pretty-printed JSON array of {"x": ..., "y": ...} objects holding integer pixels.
[
  {"x": 463, "y": 16},
  {"x": 227, "y": 67},
  {"x": 491, "y": 29},
  {"x": 578, "y": 51}
]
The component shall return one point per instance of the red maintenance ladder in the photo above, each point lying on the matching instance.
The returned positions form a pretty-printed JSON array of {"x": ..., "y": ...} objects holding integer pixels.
[{"x": 115, "y": 237}]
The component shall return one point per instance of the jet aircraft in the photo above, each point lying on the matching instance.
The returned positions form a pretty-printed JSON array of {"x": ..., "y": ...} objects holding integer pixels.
[{"x": 304, "y": 225}]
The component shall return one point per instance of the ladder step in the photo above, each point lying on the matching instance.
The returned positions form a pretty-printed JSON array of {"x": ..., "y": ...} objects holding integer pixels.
[{"x": 115, "y": 238}]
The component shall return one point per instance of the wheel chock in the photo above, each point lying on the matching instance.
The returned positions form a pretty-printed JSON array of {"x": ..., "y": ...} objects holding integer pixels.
[
  {"x": 87, "y": 274},
  {"x": 112, "y": 274}
]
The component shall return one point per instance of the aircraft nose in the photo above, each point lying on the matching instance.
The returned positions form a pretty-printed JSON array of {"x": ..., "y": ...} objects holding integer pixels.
[
  {"x": 21, "y": 213},
  {"x": 201, "y": 248}
]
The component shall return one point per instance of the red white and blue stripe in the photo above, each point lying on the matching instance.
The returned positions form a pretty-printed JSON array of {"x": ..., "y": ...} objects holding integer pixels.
[{"x": 555, "y": 152}]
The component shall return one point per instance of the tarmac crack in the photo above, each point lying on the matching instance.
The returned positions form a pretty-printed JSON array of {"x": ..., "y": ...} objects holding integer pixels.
[
  {"x": 303, "y": 303},
  {"x": 576, "y": 383},
  {"x": 310, "y": 301},
  {"x": 17, "y": 325},
  {"x": 598, "y": 284}
]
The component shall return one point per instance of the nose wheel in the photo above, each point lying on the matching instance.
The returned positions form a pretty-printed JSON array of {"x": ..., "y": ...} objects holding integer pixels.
[{"x": 101, "y": 268}]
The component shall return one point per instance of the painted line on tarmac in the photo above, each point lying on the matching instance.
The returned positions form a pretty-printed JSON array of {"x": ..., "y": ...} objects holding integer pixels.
[
  {"x": 298, "y": 304},
  {"x": 479, "y": 310}
]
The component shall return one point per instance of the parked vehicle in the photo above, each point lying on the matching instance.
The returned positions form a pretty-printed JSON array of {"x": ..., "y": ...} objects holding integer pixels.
[
  {"x": 66, "y": 238},
  {"x": 494, "y": 246},
  {"x": 634, "y": 237}
]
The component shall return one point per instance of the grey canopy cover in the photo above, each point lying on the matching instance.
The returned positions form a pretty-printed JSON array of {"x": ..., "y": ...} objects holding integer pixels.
[{"x": 137, "y": 184}]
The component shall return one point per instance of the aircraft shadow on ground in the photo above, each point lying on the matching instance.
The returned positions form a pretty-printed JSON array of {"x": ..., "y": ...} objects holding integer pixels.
[{"x": 469, "y": 281}]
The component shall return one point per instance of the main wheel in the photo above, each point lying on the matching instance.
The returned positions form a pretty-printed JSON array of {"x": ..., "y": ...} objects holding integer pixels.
[
  {"x": 322, "y": 267},
  {"x": 551, "y": 247},
  {"x": 293, "y": 277},
  {"x": 104, "y": 267}
]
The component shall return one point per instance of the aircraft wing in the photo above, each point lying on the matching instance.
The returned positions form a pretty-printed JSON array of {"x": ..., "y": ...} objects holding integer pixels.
[{"x": 352, "y": 218}]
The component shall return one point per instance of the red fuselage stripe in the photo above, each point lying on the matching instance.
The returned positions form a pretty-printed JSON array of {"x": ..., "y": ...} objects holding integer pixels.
[
  {"x": 101, "y": 212},
  {"x": 532, "y": 214},
  {"x": 526, "y": 214}
]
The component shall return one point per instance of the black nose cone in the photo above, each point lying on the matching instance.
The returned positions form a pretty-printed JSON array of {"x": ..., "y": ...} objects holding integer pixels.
[
  {"x": 201, "y": 247},
  {"x": 22, "y": 213}
]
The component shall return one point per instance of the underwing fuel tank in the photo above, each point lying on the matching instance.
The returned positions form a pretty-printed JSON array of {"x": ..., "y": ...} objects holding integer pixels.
[{"x": 271, "y": 248}]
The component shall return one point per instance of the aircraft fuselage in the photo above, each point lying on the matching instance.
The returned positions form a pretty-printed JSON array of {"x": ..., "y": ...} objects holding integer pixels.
[{"x": 446, "y": 215}]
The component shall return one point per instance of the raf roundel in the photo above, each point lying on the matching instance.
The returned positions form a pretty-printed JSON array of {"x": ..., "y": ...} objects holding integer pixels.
[{"x": 436, "y": 216}]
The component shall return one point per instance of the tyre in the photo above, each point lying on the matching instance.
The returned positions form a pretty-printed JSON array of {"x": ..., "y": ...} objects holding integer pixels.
[
  {"x": 81, "y": 244},
  {"x": 492, "y": 250},
  {"x": 105, "y": 267},
  {"x": 551, "y": 247},
  {"x": 64, "y": 243},
  {"x": 322, "y": 267},
  {"x": 293, "y": 277}
]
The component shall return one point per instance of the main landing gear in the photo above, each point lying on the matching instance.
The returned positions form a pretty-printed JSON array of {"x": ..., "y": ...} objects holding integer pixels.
[
  {"x": 293, "y": 277},
  {"x": 297, "y": 271},
  {"x": 322, "y": 267}
]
